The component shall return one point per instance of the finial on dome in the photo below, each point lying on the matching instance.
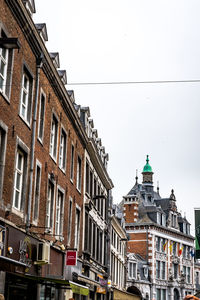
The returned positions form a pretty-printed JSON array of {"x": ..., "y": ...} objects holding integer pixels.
[{"x": 136, "y": 177}]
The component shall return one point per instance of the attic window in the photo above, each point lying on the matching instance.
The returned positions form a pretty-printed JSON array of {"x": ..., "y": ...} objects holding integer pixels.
[
  {"x": 30, "y": 6},
  {"x": 42, "y": 30}
]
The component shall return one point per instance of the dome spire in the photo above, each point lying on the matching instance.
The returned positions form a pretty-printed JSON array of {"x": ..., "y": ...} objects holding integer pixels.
[
  {"x": 147, "y": 167},
  {"x": 136, "y": 177},
  {"x": 147, "y": 172}
]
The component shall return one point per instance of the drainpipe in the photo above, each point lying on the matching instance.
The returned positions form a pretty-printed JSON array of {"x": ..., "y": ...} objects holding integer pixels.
[{"x": 39, "y": 63}]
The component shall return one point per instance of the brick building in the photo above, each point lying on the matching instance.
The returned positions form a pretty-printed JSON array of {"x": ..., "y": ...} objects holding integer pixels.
[
  {"x": 161, "y": 237},
  {"x": 44, "y": 146}
]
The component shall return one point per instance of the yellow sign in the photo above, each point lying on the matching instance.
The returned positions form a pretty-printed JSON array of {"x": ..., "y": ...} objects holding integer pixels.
[{"x": 101, "y": 290}]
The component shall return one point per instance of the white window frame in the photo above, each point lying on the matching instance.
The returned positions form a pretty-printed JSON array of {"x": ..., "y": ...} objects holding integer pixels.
[
  {"x": 18, "y": 186},
  {"x": 54, "y": 137},
  {"x": 72, "y": 163},
  {"x": 26, "y": 107},
  {"x": 50, "y": 206},
  {"x": 78, "y": 174},
  {"x": 3, "y": 144},
  {"x": 132, "y": 269},
  {"x": 69, "y": 229},
  {"x": 37, "y": 191},
  {"x": 77, "y": 227},
  {"x": 59, "y": 212},
  {"x": 63, "y": 149},
  {"x": 20, "y": 147},
  {"x": 3, "y": 75},
  {"x": 41, "y": 117}
]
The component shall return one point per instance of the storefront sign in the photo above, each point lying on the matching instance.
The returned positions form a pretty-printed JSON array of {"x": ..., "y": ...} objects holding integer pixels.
[
  {"x": 79, "y": 289},
  {"x": 101, "y": 290},
  {"x": 25, "y": 252},
  {"x": 71, "y": 258}
]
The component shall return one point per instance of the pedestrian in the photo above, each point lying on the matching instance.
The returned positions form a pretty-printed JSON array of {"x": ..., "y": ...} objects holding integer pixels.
[{"x": 2, "y": 297}]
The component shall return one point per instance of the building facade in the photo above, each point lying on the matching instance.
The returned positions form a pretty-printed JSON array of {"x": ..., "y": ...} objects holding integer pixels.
[
  {"x": 161, "y": 237},
  {"x": 44, "y": 151}
]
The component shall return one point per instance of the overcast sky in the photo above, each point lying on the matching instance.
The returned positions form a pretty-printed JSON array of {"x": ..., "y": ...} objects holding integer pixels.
[{"x": 136, "y": 40}]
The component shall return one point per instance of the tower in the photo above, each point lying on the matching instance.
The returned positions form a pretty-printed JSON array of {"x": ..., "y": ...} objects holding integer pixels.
[{"x": 148, "y": 176}]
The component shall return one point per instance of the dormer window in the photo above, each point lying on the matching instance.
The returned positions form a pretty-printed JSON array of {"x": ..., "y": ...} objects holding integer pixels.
[
  {"x": 30, "y": 6},
  {"x": 173, "y": 220},
  {"x": 163, "y": 217},
  {"x": 159, "y": 218},
  {"x": 42, "y": 30},
  {"x": 55, "y": 59}
]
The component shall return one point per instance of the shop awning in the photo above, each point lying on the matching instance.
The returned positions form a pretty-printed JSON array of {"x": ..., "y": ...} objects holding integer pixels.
[
  {"x": 119, "y": 295},
  {"x": 79, "y": 289}
]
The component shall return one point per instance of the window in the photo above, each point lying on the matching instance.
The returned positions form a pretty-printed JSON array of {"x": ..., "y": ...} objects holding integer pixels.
[
  {"x": 3, "y": 141},
  {"x": 94, "y": 241},
  {"x": 78, "y": 178},
  {"x": 157, "y": 269},
  {"x": 37, "y": 191},
  {"x": 20, "y": 179},
  {"x": 160, "y": 294},
  {"x": 41, "y": 117},
  {"x": 188, "y": 274},
  {"x": 5, "y": 69},
  {"x": 77, "y": 228},
  {"x": 87, "y": 176},
  {"x": 175, "y": 268},
  {"x": 50, "y": 203},
  {"x": 158, "y": 240},
  {"x": 63, "y": 150},
  {"x": 69, "y": 221},
  {"x": 54, "y": 137},
  {"x": 163, "y": 270},
  {"x": 158, "y": 218},
  {"x": 91, "y": 184},
  {"x": 174, "y": 248},
  {"x": 26, "y": 96},
  {"x": 72, "y": 163},
  {"x": 59, "y": 213},
  {"x": 197, "y": 278},
  {"x": 132, "y": 270}
]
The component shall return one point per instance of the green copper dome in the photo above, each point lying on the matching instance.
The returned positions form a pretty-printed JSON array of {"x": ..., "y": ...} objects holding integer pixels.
[{"x": 147, "y": 167}]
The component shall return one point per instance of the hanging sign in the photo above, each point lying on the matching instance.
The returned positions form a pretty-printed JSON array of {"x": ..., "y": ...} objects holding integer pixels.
[{"x": 71, "y": 258}]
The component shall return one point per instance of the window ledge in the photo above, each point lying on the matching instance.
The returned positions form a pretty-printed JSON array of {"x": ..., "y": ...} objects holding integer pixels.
[
  {"x": 5, "y": 96},
  {"x": 26, "y": 122},
  {"x": 17, "y": 212}
]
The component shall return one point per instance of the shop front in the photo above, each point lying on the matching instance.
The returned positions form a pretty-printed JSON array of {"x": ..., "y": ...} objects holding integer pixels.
[
  {"x": 29, "y": 268},
  {"x": 121, "y": 295}
]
